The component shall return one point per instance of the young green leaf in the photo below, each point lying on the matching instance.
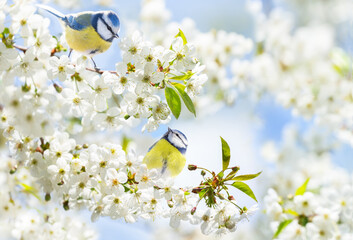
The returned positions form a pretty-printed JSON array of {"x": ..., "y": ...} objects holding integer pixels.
[
  {"x": 125, "y": 143},
  {"x": 173, "y": 101},
  {"x": 292, "y": 212},
  {"x": 203, "y": 192},
  {"x": 301, "y": 190},
  {"x": 245, "y": 189},
  {"x": 30, "y": 190},
  {"x": 246, "y": 177},
  {"x": 282, "y": 226},
  {"x": 186, "y": 76},
  {"x": 181, "y": 34},
  {"x": 225, "y": 154},
  {"x": 187, "y": 100}
]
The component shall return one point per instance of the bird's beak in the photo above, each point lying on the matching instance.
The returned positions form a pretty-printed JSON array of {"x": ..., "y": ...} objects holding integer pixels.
[
  {"x": 169, "y": 129},
  {"x": 116, "y": 36}
]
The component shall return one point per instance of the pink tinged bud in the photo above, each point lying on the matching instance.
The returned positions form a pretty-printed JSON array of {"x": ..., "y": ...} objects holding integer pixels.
[
  {"x": 231, "y": 198},
  {"x": 58, "y": 88},
  {"x": 193, "y": 210},
  {"x": 196, "y": 190},
  {"x": 192, "y": 167}
]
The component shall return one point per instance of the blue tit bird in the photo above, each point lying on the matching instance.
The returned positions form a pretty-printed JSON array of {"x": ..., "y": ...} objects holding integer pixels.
[
  {"x": 168, "y": 153},
  {"x": 89, "y": 33}
]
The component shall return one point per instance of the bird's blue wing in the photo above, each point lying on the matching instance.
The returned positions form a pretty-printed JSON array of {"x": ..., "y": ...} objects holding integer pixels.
[
  {"x": 79, "y": 21},
  {"x": 52, "y": 11},
  {"x": 152, "y": 146}
]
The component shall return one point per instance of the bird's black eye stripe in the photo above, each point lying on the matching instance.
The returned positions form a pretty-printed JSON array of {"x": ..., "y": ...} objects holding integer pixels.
[
  {"x": 106, "y": 24},
  {"x": 177, "y": 134}
]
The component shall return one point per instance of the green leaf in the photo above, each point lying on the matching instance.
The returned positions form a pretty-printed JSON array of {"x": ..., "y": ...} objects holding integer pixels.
[
  {"x": 187, "y": 100},
  {"x": 301, "y": 190},
  {"x": 225, "y": 154},
  {"x": 173, "y": 101},
  {"x": 125, "y": 143},
  {"x": 245, "y": 189},
  {"x": 181, "y": 34},
  {"x": 292, "y": 212},
  {"x": 186, "y": 76},
  {"x": 7, "y": 31},
  {"x": 203, "y": 192},
  {"x": 30, "y": 190},
  {"x": 282, "y": 226},
  {"x": 246, "y": 177}
]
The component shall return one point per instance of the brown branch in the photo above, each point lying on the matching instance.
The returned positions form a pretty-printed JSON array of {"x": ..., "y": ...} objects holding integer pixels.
[{"x": 23, "y": 49}]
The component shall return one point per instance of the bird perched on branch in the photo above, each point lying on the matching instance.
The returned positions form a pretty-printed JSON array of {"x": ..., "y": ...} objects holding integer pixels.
[
  {"x": 89, "y": 33},
  {"x": 167, "y": 154}
]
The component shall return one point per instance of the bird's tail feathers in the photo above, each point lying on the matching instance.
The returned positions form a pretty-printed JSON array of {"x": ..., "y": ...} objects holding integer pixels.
[{"x": 52, "y": 11}]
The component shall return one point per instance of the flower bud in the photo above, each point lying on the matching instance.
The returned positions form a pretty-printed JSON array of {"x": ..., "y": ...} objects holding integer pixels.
[
  {"x": 235, "y": 169},
  {"x": 196, "y": 190},
  {"x": 221, "y": 196},
  {"x": 66, "y": 205},
  {"x": 47, "y": 197},
  {"x": 58, "y": 89},
  {"x": 230, "y": 224},
  {"x": 203, "y": 173},
  {"x": 26, "y": 88},
  {"x": 13, "y": 169},
  {"x": 231, "y": 198},
  {"x": 192, "y": 167},
  {"x": 170, "y": 204},
  {"x": 290, "y": 196},
  {"x": 193, "y": 210},
  {"x": 85, "y": 145}
]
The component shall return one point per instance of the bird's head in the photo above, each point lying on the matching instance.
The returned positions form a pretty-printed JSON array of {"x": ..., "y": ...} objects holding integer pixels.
[
  {"x": 107, "y": 25},
  {"x": 177, "y": 139}
]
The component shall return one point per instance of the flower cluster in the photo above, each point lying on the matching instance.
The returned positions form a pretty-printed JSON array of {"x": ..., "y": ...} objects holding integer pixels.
[
  {"x": 321, "y": 214},
  {"x": 303, "y": 69},
  {"x": 31, "y": 219},
  {"x": 215, "y": 49},
  {"x": 307, "y": 199},
  {"x": 42, "y": 81},
  {"x": 109, "y": 182},
  {"x": 50, "y": 103}
]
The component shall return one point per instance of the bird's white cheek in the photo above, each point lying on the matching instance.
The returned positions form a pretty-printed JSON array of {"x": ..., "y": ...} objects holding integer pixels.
[
  {"x": 103, "y": 31},
  {"x": 177, "y": 142}
]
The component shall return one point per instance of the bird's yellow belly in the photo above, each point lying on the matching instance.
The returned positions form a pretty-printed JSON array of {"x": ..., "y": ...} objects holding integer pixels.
[
  {"x": 86, "y": 41},
  {"x": 162, "y": 152}
]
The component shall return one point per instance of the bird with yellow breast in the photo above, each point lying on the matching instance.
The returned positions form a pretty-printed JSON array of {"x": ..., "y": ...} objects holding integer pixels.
[
  {"x": 168, "y": 153},
  {"x": 89, "y": 33}
]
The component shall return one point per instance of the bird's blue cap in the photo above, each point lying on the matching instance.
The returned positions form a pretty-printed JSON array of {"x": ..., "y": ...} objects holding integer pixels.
[
  {"x": 177, "y": 133},
  {"x": 114, "y": 18}
]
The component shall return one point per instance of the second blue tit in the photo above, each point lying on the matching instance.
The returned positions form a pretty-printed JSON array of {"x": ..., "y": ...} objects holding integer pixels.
[
  {"x": 88, "y": 32},
  {"x": 167, "y": 154}
]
